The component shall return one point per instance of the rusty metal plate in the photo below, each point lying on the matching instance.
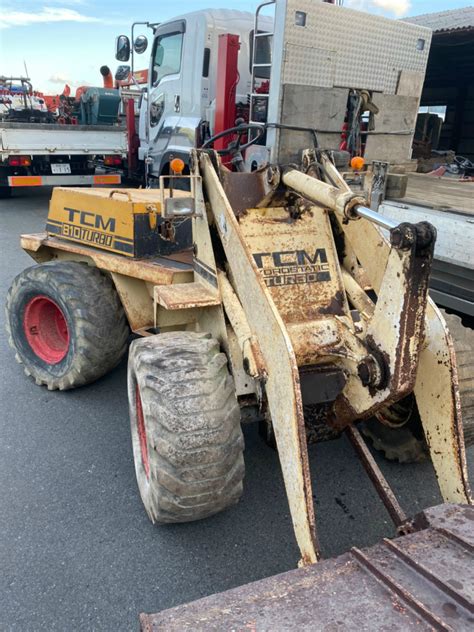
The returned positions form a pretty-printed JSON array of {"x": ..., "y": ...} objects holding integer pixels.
[
  {"x": 185, "y": 296},
  {"x": 298, "y": 262},
  {"x": 159, "y": 270},
  {"x": 420, "y": 581}
]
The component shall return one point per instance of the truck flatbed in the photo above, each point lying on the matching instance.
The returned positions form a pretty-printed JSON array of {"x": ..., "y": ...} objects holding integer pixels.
[
  {"x": 423, "y": 581},
  {"x": 442, "y": 193},
  {"x": 449, "y": 205},
  {"x": 61, "y": 127},
  {"x": 33, "y": 139}
]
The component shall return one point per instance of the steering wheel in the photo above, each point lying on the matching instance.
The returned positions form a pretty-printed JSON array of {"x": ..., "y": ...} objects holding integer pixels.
[
  {"x": 463, "y": 163},
  {"x": 460, "y": 165},
  {"x": 235, "y": 145}
]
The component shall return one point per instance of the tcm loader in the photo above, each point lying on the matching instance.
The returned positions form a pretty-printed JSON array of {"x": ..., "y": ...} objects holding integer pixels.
[{"x": 274, "y": 295}]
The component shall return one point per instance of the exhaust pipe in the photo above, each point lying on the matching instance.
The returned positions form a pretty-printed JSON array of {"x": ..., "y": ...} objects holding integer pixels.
[{"x": 107, "y": 77}]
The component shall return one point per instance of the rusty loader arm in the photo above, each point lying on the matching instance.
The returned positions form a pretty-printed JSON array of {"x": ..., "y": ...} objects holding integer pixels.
[{"x": 400, "y": 345}]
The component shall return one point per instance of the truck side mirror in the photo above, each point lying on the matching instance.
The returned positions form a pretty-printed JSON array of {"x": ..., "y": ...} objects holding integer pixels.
[
  {"x": 122, "y": 48},
  {"x": 140, "y": 44},
  {"x": 122, "y": 73}
]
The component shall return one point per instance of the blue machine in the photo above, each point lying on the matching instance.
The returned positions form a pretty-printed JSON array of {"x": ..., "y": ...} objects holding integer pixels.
[{"x": 99, "y": 106}]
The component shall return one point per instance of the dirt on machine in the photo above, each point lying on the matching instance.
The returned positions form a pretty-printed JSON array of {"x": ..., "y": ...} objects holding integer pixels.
[{"x": 274, "y": 295}]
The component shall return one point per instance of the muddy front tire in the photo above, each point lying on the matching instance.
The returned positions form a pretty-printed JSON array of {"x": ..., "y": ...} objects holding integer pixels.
[
  {"x": 185, "y": 424},
  {"x": 66, "y": 324}
]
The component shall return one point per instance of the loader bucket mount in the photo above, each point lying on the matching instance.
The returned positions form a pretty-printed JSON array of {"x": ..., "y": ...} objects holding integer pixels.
[{"x": 299, "y": 253}]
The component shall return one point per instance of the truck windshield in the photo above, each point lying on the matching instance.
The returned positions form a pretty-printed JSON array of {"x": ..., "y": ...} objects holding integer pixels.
[{"x": 167, "y": 56}]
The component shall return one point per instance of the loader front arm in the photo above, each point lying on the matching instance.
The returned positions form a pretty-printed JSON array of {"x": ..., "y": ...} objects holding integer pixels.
[
  {"x": 283, "y": 265},
  {"x": 395, "y": 332},
  {"x": 282, "y": 379}
]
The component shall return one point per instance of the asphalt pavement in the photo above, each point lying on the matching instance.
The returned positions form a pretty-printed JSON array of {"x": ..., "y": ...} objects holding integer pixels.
[{"x": 77, "y": 551}]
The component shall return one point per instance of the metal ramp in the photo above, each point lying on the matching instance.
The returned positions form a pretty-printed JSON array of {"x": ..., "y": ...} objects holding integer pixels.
[{"x": 422, "y": 581}]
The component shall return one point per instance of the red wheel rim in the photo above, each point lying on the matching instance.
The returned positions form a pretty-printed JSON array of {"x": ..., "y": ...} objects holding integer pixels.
[
  {"x": 142, "y": 432},
  {"x": 46, "y": 329}
]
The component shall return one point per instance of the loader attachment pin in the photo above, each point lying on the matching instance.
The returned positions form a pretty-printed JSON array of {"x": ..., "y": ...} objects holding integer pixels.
[
  {"x": 378, "y": 479},
  {"x": 338, "y": 198},
  {"x": 370, "y": 372}
]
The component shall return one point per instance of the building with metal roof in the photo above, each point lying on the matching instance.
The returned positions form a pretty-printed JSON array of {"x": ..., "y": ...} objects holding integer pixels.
[
  {"x": 446, "y": 21},
  {"x": 449, "y": 81}
]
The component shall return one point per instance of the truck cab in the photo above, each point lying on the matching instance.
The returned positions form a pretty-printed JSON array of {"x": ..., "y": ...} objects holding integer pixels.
[{"x": 178, "y": 108}]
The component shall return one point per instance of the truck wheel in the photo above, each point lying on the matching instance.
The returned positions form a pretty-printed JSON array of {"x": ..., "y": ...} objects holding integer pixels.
[
  {"x": 407, "y": 444},
  {"x": 66, "y": 324},
  {"x": 5, "y": 192},
  {"x": 185, "y": 423}
]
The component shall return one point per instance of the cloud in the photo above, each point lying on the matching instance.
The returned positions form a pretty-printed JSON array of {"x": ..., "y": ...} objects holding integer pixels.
[
  {"x": 59, "y": 78},
  {"x": 9, "y": 18},
  {"x": 398, "y": 8}
]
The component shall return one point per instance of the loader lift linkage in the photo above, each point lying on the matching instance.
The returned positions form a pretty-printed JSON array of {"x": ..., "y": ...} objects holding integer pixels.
[{"x": 380, "y": 368}]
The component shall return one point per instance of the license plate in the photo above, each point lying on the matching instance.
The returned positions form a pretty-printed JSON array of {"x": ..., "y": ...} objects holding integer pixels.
[{"x": 60, "y": 168}]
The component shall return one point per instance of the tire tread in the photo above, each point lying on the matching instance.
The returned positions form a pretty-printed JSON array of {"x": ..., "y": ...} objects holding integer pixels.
[{"x": 193, "y": 426}]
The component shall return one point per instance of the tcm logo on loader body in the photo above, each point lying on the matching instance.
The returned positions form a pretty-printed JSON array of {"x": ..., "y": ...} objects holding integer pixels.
[
  {"x": 91, "y": 220},
  {"x": 293, "y": 267},
  {"x": 92, "y": 227}
]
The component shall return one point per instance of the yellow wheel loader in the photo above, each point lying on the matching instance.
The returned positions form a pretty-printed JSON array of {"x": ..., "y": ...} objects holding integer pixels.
[{"x": 268, "y": 292}]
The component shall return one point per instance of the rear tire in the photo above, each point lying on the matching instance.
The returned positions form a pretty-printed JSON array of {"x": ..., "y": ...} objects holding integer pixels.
[
  {"x": 66, "y": 324},
  {"x": 185, "y": 424}
]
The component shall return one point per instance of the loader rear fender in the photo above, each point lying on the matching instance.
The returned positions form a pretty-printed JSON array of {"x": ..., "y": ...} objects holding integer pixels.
[{"x": 135, "y": 293}]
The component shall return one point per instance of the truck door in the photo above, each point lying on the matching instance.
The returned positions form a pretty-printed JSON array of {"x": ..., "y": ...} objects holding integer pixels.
[{"x": 164, "y": 97}]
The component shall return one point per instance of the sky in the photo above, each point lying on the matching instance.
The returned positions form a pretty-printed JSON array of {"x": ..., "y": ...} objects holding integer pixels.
[{"x": 66, "y": 41}]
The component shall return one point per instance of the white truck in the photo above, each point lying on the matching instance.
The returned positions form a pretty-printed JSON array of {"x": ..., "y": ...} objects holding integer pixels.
[
  {"x": 36, "y": 151},
  {"x": 339, "y": 54},
  {"x": 40, "y": 154},
  {"x": 180, "y": 107}
]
